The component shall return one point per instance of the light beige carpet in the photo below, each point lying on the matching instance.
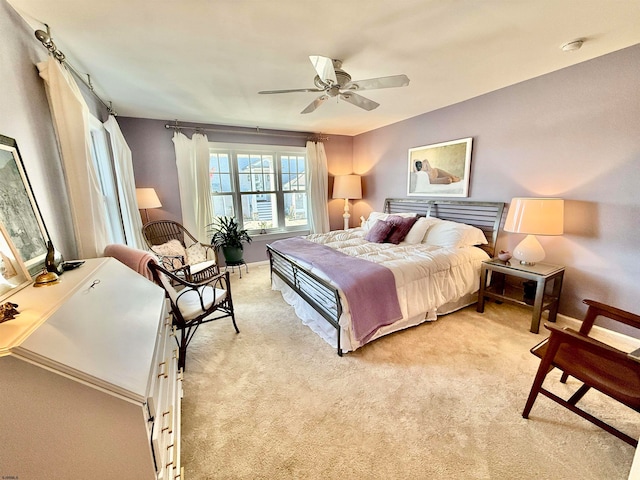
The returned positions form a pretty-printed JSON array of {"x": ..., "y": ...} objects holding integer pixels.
[{"x": 439, "y": 401}]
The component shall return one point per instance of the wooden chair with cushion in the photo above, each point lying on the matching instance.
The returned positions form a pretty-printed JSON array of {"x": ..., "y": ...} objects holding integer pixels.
[
  {"x": 596, "y": 364},
  {"x": 179, "y": 251},
  {"x": 194, "y": 303}
]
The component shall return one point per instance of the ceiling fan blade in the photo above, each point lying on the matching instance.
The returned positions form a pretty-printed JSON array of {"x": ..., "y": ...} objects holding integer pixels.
[
  {"x": 269, "y": 92},
  {"x": 380, "y": 82},
  {"x": 324, "y": 67},
  {"x": 315, "y": 104},
  {"x": 359, "y": 101}
]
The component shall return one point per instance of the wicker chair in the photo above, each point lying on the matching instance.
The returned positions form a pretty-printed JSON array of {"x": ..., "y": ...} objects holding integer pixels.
[
  {"x": 161, "y": 232},
  {"x": 194, "y": 303}
]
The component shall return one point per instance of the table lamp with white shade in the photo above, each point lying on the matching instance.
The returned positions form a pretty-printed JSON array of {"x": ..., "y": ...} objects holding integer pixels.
[
  {"x": 147, "y": 198},
  {"x": 348, "y": 187},
  {"x": 534, "y": 216}
]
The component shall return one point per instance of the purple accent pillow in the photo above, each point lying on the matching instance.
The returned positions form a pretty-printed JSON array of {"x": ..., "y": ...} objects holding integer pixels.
[
  {"x": 401, "y": 226},
  {"x": 379, "y": 232}
]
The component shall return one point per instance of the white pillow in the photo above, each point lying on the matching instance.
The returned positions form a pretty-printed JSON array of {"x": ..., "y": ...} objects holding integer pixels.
[
  {"x": 450, "y": 234},
  {"x": 375, "y": 216},
  {"x": 196, "y": 253},
  {"x": 419, "y": 230},
  {"x": 171, "y": 248}
]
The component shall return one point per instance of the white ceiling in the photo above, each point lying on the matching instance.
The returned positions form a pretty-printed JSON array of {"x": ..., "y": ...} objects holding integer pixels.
[{"x": 205, "y": 60}]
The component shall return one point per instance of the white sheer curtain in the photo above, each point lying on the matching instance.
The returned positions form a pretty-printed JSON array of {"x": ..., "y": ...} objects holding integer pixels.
[
  {"x": 204, "y": 211},
  {"x": 192, "y": 161},
  {"x": 71, "y": 120},
  {"x": 126, "y": 185},
  {"x": 318, "y": 187}
]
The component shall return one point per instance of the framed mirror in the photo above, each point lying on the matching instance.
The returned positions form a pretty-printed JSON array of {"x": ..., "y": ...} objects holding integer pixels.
[{"x": 19, "y": 212}]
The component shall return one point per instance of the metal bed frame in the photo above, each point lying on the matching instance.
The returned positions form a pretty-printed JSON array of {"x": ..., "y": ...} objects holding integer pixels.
[{"x": 324, "y": 298}]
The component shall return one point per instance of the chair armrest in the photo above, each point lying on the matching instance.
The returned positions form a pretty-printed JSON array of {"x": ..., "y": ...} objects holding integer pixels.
[
  {"x": 613, "y": 313},
  {"x": 571, "y": 337},
  {"x": 168, "y": 261},
  {"x": 212, "y": 249}
]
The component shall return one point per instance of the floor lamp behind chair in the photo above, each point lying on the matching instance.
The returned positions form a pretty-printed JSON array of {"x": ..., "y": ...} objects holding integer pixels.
[
  {"x": 147, "y": 198},
  {"x": 348, "y": 187}
]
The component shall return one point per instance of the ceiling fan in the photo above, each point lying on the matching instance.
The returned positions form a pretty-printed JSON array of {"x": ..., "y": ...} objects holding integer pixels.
[{"x": 332, "y": 81}]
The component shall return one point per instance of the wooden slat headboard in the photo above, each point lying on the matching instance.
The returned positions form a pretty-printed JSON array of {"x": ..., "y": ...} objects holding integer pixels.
[{"x": 486, "y": 216}]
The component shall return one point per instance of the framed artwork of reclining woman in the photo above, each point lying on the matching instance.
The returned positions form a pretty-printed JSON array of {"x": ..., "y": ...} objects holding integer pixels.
[{"x": 440, "y": 170}]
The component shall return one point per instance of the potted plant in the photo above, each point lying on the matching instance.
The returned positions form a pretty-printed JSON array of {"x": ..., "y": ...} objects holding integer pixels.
[{"x": 228, "y": 237}]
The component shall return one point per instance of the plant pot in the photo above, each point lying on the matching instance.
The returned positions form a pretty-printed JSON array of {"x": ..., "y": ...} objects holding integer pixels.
[{"x": 232, "y": 255}]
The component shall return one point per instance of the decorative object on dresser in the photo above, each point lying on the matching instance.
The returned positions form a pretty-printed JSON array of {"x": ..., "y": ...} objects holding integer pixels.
[
  {"x": 53, "y": 261},
  {"x": 8, "y": 311},
  {"x": 440, "y": 170},
  {"x": 348, "y": 187},
  {"x": 534, "y": 216},
  {"x": 451, "y": 242},
  {"x": 195, "y": 303},
  {"x": 147, "y": 198},
  {"x": 90, "y": 380},
  {"x": 19, "y": 212},
  {"x": 179, "y": 251},
  {"x": 598, "y": 365}
]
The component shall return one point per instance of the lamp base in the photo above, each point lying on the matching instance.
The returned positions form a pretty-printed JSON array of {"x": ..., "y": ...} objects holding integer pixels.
[
  {"x": 529, "y": 251},
  {"x": 346, "y": 216}
]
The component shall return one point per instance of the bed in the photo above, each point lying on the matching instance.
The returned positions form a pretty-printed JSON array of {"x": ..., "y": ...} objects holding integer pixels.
[{"x": 430, "y": 279}]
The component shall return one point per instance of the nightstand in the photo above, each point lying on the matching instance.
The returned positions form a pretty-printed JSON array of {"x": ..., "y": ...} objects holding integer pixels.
[{"x": 546, "y": 277}]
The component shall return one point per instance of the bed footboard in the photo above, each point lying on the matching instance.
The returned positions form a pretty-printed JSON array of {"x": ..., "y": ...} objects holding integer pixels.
[{"x": 317, "y": 292}]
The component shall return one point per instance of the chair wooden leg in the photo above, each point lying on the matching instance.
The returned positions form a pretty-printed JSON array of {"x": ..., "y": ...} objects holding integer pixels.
[
  {"x": 587, "y": 416},
  {"x": 535, "y": 389},
  {"x": 182, "y": 350},
  {"x": 576, "y": 397}
]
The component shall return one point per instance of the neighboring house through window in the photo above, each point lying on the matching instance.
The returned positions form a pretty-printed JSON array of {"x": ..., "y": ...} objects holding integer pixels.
[{"x": 263, "y": 186}]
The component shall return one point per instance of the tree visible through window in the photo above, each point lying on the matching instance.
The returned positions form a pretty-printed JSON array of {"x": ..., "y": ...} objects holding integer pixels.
[{"x": 263, "y": 187}]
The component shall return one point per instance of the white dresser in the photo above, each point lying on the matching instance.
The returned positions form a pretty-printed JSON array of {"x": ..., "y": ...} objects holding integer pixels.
[{"x": 89, "y": 386}]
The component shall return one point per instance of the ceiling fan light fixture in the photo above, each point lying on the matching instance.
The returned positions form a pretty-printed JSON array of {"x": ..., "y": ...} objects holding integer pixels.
[{"x": 333, "y": 82}]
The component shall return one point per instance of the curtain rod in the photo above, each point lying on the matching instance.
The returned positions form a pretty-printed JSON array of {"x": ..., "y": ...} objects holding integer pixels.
[
  {"x": 258, "y": 131},
  {"x": 47, "y": 42}
]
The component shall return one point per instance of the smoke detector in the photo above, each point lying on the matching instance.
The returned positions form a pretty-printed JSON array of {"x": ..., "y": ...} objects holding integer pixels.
[{"x": 572, "y": 46}]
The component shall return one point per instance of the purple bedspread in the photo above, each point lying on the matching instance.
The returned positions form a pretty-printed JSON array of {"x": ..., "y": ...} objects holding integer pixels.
[{"x": 369, "y": 288}]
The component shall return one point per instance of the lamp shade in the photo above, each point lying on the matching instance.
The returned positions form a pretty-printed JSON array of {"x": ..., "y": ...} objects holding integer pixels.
[
  {"x": 535, "y": 216},
  {"x": 147, "y": 198},
  {"x": 347, "y": 186}
]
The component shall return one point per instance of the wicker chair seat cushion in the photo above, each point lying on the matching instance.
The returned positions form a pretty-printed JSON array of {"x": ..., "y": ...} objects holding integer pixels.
[
  {"x": 189, "y": 301},
  {"x": 199, "y": 267}
]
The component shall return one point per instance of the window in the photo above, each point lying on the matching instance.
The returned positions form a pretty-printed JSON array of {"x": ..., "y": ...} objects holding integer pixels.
[
  {"x": 100, "y": 153},
  {"x": 263, "y": 186}
]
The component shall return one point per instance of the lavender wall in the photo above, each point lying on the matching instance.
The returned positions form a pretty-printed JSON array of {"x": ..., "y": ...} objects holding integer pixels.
[
  {"x": 575, "y": 134},
  {"x": 154, "y": 165},
  {"x": 25, "y": 116}
]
